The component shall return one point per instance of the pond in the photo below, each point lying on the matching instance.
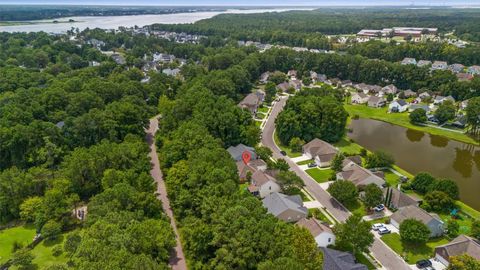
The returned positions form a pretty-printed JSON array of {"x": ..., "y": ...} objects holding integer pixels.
[
  {"x": 113, "y": 22},
  {"x": 416, "y": 151}
]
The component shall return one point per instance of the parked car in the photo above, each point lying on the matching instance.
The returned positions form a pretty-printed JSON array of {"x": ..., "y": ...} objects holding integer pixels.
[
  {"x": 379, "y": 208},
  {"x": 383, "y": 230},
  {"x": 424, "y": 264},
  {"x": 312, "y": 165},
  {"x": 377, "y": 226},
  {"x": 283, "y": 153}
]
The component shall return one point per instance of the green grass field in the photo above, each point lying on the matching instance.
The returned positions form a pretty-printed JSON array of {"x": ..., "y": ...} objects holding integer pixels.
[
  {"x": 287, "y": 149},
  {"x": 363, "y": 260},
  {"x": 263, "y": 109},
  {"x": 21, "y": 234},
  {"x": 348, "y": 147},
  {"x": 305, "y": 162},
  {"x": 391, "y": 178},
  {"x": 321, "y": 176},
  {"x": 356, "y": 208},
  {"x": 412, "y": 253},
  {"x": 402, "y": 119},
  {"x": 43, "y": 253}
]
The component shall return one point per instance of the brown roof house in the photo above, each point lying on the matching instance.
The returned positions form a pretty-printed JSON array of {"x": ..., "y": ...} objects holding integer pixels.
[
  {"x": 358, "y": 175},
  {"x": 359, "y": 98},
  {"x": 322, "y": 234},
  {"x": 237, "y": 151},
  {"x": 250, "y": 102},
  {"x": 263, "y": 184},
  {"x": 284, "y": 207},
  {"x": 461, "y": 245},
  {"x": 390, "y": 89},
  {"x": 376, "y": 102},
  {"x": 398, "y": 199},
  {"x": 433, "y": 221},
  {"x": 321, "y": 151},
  {"x": 252, "y": 166},
  {"x": 284, "y": 87}
]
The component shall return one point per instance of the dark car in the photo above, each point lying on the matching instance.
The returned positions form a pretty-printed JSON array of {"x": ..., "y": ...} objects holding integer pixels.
[
  {"x": 283, "y": 153},
  {"x": 312, "y": 165},
  {"x": 424, "y": 264}
]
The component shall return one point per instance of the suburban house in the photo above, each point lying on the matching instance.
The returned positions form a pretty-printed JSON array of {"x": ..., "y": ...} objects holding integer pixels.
[
  {"x": 474, "y": 70},
  {"x": 321, "y": 151},
  {"x": 296, "y": 84},
  {"x": 440, "y": 99},
  {"x": 463, "y": 77},
  {"x": 263, "y": 184},
  {"x": 456, "y": 68},
  {"x": 252, "y": 166},
  {"x": 359, "y": 98},
  {"x": 171, "y": 72},
  {"x": 409, "y": 93},
  {"x": 409, "y": 61},
  {"x": 119, "y": 59},
  {"x": 461, "y": 245},
  {"x": 250, "y": 102},
  {"x": 460, "y": 121},
  {"x": 413, "y": 107},
  {"x": 237, "y": 151},
  {"x": 423, "y": 63},
  {"x": 284, "y": 207},
  {"x": 346, "y": 83},
  {"x": 398, "y": 199},
  {"x": 439, "y": 65},
  {"x": 375, "y": 89},
  {"x": 283, "y": 86},
  {"x": 264, "y": 77},
  {"x": 322, "y": 234},
  {"x": 292, "y": 74},
  {"x": 319, "y": 78},
  {"x": 376, "y": 102},
  {"x": 398, "y": 105},
  {"x": 339, "y": 260},
  {"x": 424, "y": 96},
  {"x": 358, "y": 175},
  {"x": 390, "y": 89},
  {"x": 361, "y": 87},
  {"x": 433, "y": 221}
]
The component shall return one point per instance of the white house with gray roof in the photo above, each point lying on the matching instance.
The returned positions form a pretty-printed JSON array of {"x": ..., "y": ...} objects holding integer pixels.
[
  {"x": 409, "y": 61},
  {"x": 439, "y": 65},
  {"x": 284, "y": 207},
  {"x": 474, "y": 70},
  {"x": 423, "y": 63},
  {"x": 320, "y": 151},
  {"x": 322, "y": 234},
  {"x": 263, "y": 184},
  {"x": 359, "y": 98},
  {"x": 398, "y": 105}
]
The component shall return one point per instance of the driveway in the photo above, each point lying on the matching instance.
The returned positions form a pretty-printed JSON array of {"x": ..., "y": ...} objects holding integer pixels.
[
  {"x": 300, "y": 158},
  {"x": 381, "y": 252},
  {"x": 377, "y": 215}
]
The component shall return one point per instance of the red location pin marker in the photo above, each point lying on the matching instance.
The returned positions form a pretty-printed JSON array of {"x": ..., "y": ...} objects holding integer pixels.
[{"x": 246, "y": 156}]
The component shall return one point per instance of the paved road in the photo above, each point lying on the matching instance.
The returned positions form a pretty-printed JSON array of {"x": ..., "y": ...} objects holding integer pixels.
[
  {"x": 177, "y": 258},
  {"x": 387, "y": 257}
]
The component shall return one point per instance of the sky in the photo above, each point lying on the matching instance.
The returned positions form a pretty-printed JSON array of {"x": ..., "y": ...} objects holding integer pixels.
[{"x": 248, "y": 2}]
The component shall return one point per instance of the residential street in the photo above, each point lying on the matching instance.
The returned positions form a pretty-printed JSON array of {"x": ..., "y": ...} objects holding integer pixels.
[
  {"x": 177, "y": 258},
  {"x": 388, "y": 258}
]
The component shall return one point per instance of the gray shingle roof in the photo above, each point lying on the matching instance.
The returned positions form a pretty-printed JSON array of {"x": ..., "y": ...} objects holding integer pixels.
[
  {"x": 339, "y": 260},
  {"x": 277, "y": 203}
]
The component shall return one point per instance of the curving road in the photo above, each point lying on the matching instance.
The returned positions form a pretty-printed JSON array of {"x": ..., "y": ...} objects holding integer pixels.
[
  {"x": 177, "y": 258},
  {"x": 387, "y": 257}
]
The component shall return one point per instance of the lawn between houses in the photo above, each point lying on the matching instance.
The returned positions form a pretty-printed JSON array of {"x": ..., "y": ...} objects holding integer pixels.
[
  {"x": 321, "y": 176},
  {"x": 402, "y": 119},
  {"x": 412, "y": 253}
]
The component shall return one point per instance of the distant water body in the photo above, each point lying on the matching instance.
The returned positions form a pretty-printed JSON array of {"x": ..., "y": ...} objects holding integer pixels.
[{"x": 113, "y": 22}]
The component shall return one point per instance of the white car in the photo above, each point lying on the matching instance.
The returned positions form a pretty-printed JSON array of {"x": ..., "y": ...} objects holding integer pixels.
[
  {"x": 377, "y": 226},
  {"x": 383, "y": 230}
]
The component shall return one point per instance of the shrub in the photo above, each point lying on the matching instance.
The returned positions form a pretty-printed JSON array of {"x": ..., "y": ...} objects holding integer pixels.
[{"x": 414, "y": 231}]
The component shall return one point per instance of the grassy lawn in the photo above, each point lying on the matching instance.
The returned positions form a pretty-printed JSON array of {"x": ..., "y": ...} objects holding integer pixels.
[
  {"x": 43, "y": 253},
  {"x": 402, "y": 119},
  {"x": 356, "y": 208},
  {"x": 20, "y": 234},
  {"x": 391, "y": 178},
  {"x": 305, "y": 162},
  {"x": 321, "y": 176},
  {"x": 263, "y": 109},
  {"x": 285, "y": 148},
  {"x": 348, "y": 147},
  {"x": 412, "y": 253},
  {"x": 260, "y": 115},
  {"x": 258, "y": 123},
  {"x": 296, "y": 191},
  {"x": 464, "y": 221},
  {"x": 316, "y": 213}
]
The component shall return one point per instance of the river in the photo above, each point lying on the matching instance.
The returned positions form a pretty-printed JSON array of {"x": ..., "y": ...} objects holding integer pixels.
[
  {"x": 113, "y": 22},
  {"x": 416, "y": 151}
]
